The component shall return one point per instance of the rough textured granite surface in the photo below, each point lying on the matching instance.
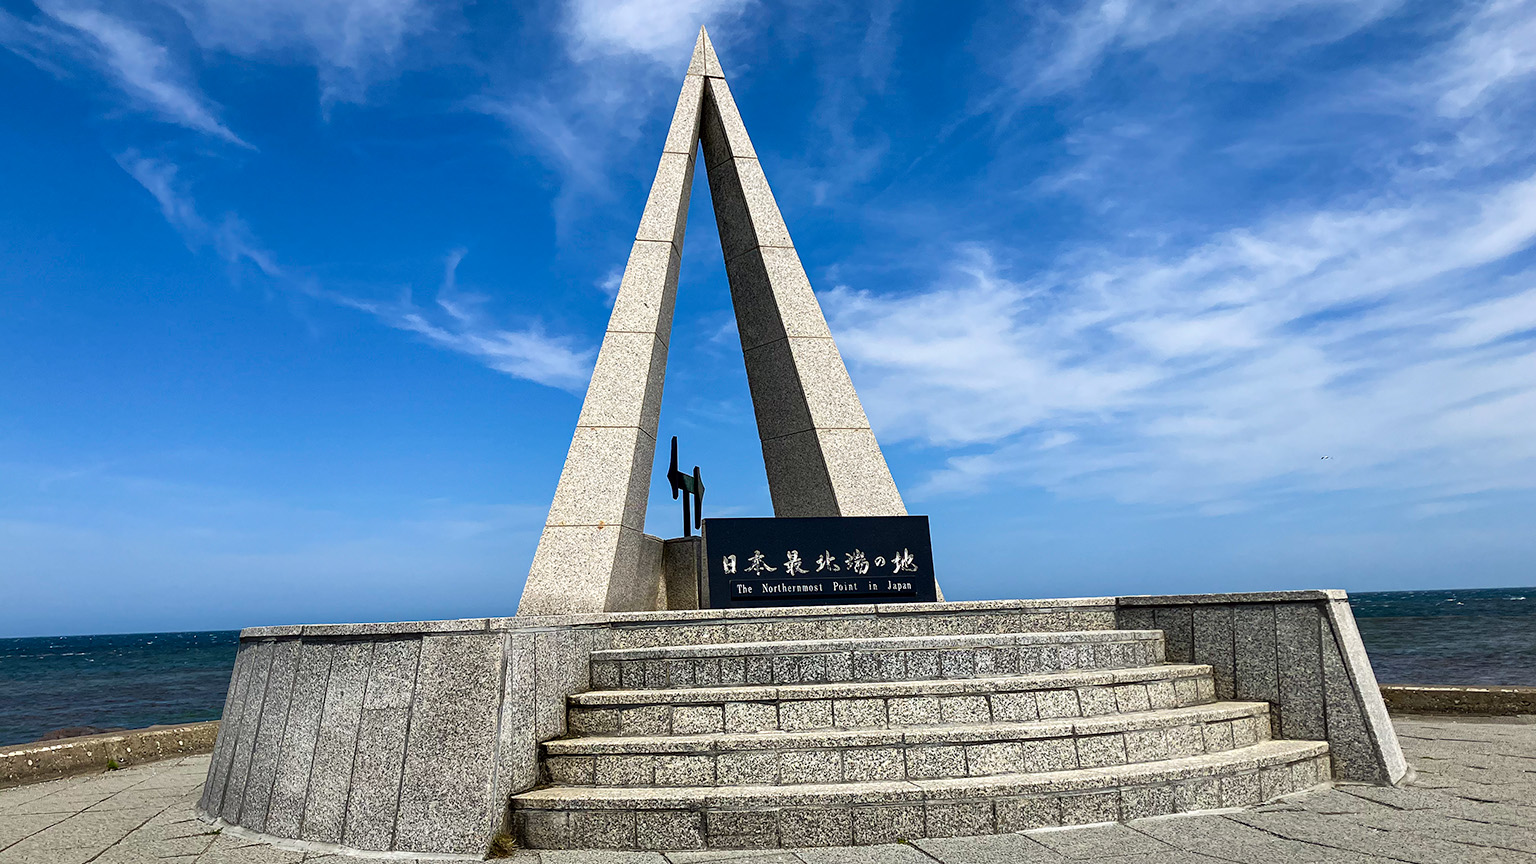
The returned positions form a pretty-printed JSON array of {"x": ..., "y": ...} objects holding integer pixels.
[
  {"x": 1299, "y": 651},
  {"x": 306, "y": 706},
  {"x": 450, "y": 756},
  {"x": 682, "y": 569}
]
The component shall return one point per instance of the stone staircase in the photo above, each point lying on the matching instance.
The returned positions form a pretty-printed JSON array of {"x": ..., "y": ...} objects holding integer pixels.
[{"x": 813, "y": 733}]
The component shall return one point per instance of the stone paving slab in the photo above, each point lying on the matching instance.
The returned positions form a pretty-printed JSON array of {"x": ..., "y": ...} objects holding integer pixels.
[{"x": 1473, "y": 802}]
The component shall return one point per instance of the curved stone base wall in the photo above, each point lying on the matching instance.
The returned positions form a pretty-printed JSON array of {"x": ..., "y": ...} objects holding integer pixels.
[
  {"x": 1300, "y": 651},
  {"x": 375, "y": 741},
  {"x": 412, "y": 737}
]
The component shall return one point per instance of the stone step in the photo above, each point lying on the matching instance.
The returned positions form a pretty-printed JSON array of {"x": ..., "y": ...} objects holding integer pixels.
[
  {"x": 899, "y": 704},
  {"x": 840, "y": 814},
  {"x": 872, "y": 754},
  {"x": 901, "y": 658},
  {"x": 867, "y": 621}
]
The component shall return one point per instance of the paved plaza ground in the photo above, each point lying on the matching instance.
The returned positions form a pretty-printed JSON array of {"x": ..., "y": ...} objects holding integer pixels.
[{"x": 1474, "y": 800}]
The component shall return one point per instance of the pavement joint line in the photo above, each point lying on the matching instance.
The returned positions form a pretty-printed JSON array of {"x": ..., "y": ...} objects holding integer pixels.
[
  {"x": 920, "y": 850},
  {"x": 1467, "y": 842},
  {"x": 1351, "y": 793},
  {"x": 308, "y": 847},
  {"x": 119, "y": 840},
  {"x": 1283, "y": 837},
  {"x": 1204, "y": 852},
  {"x": 1056, "y": 829},
  {"x": 1423, "y": 835}
]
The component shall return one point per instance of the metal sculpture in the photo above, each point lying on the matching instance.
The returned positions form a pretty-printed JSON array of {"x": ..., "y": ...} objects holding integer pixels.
[{"x": 687, "y": 486}]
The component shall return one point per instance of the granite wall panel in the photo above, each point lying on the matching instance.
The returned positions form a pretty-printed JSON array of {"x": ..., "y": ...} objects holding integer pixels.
[
  {"x": 1301, "y": 652},
  {"x": 380, "y": 755},
  {"x": 290, "y": 786},
  {"x": 269, "y": 735},
  {"x": 1137, "y": 618},
  {"x": 1212, "y": 639},
  {"x": 552, "y": 653},
  {"x": 212, "y": 801},
  {"x": 391, "y": 673},
  {"x": 517, "y": 750},
  {"x": 1177, "y": 624},
  {"x": 331, "y": 774},
  {"x": 1361, "y": 680},
  {"x": 250, "y": 726},
  {"x": 1349, "y": 740},
  {"x": 1256, "y": 671},
  {"x": 374, "y": 797},
  {"x": 1301, "y": 671},
  {"x": 450, "y": 758}
]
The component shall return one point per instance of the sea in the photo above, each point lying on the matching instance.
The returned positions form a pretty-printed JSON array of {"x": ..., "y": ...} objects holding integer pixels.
[{"x": 1478, "y": 636}]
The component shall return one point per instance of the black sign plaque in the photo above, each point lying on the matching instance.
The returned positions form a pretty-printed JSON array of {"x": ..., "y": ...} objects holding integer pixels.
[{"x": 818, "y": 561}]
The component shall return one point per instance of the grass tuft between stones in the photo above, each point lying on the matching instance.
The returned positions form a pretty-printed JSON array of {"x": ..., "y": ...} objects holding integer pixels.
[{"x": 502, "y": 846}]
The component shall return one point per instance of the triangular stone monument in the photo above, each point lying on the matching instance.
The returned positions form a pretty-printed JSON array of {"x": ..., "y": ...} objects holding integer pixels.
[
  {"x": 821, "y": 456},
  {"x": 450, "y": 738}
]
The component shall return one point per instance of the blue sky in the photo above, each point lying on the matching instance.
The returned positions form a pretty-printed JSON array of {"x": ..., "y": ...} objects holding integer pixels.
[{"x": 298, "y": 297}]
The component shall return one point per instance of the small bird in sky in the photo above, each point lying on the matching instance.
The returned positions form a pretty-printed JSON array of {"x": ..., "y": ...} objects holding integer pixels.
[{"x": 1327, "y": 457}]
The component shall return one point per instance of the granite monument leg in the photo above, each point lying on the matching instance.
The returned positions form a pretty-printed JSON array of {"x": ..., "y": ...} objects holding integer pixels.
[
  {"x": 594, "y": 555},
  {"x": 821, "y": 456}
]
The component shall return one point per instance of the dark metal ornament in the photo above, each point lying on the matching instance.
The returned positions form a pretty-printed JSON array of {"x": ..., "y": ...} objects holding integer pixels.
[{"x": 687, "y": 486}]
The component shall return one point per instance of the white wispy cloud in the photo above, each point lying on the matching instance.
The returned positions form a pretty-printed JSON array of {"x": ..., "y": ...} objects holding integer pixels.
[
  {"x": 1496, "y": 47},
  {"x": 31, "y": 42},
  {"x": 1069, "y": 47},
  {"x": 1392, "y": 330},
  {"x": 1376, "y": 336},
  {"x": 567, "y": 139},
  {"x": 455, "y": 320},
  {"x": 622, "y": 64},
  {"x": 610, "y": 284},
  {"x": 660, "y": 30},
  {"x": 231, "y": 237},
  {"x": 854, "y": 143},
  {"x": 351, "y": 43},
  {"x": 459, "y": 323},
  {"x": 141, "y": 66}
]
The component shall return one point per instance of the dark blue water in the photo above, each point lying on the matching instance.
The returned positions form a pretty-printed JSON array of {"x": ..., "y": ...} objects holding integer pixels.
[
  {"x": 1479, "y": 636},
  {"x": 1473, "y": 636},
  {"x": 123, "y": 681}
]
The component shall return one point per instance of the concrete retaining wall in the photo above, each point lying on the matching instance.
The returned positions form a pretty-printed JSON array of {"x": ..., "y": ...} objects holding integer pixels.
[
  {"x": 1487, "y": 701},
  {"x": 48, "y": 760},
  {"x": 1298, "y": 650}
]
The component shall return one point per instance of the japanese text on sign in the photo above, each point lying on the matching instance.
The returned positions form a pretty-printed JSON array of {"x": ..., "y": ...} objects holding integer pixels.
[{"x": 796, "y": 561}]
